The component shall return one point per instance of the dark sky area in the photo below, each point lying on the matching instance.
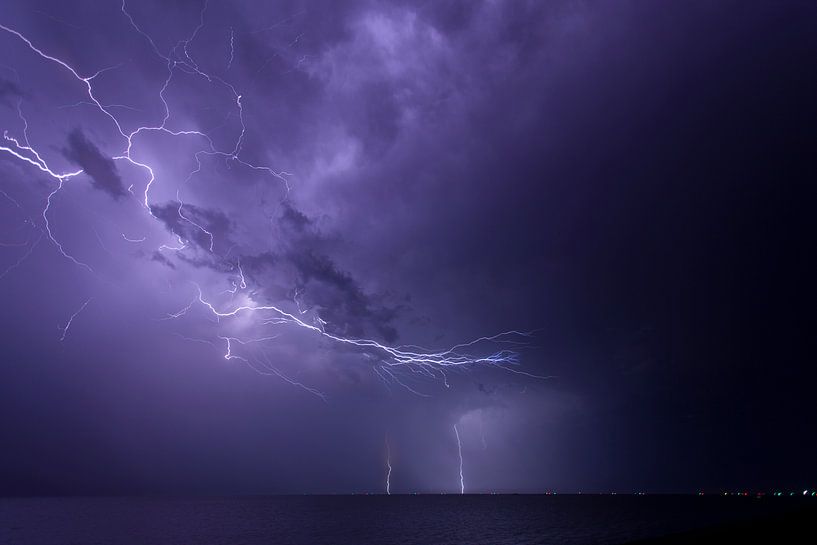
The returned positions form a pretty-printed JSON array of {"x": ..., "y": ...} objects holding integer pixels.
[{"x": 629, "y": 184}]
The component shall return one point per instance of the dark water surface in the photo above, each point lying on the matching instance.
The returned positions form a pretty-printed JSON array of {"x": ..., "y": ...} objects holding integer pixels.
[{"x": 319, "y": 520}]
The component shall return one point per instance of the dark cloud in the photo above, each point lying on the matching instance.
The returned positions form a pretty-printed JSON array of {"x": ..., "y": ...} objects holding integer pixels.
[
  {"x": 101, "y": 169},
  {"x": 300, "y": 268},
  {"x": 159, "y": 257},
  {"x": 294, "y": 219},
  {"x": 323, "y": 284},
  {"x": 204, "y": 227},
  {"x": 343, "y": 305}
]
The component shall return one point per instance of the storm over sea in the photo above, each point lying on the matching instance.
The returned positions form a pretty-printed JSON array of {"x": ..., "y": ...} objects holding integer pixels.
[{"x": 398, "y": 520}]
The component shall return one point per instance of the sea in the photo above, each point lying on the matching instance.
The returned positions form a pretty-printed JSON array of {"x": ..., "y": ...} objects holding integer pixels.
[{"x": 382, "y": 520}]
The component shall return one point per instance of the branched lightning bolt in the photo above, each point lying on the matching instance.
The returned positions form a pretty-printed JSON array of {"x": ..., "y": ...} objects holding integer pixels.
[
  {"x": 416, "y": 360},
  {"x": 393, "y": 355},
  {"x": 30, "y": 155},
  {"x": 193, "y": 223},
  {"x": 266, "y": 364},
  {"x": 51, "y": 234},
  {"x": 242, "y": 281},
  {"x": 262, "y": 364}
]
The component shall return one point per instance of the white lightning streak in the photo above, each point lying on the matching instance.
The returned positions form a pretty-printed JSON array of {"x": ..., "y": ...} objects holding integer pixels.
[
  {"x": 11, "y": 199},
  {"x": 262, "y": 365},
  {"x": 193, "y": 223},
  {"x": 396, "y": 356},
  {"x": 135, "y": 240},
  {"x": 232, "y": 48},
  {"x": 188, "y": 63},
  {"x": 22, "y": 257},
  {"x": 268, "y": 365},
  {"x": 459, "y": 451},
  {"x": 388, "y": 466},
  {"x": 243, "y": 283},
  {"x": 51, "y": 234},
  {"x": 71, "y": 319}
]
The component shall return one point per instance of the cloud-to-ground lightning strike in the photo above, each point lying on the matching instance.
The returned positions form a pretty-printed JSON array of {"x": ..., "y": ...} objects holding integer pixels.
[
  {"x": 420, "y": 362},
  {"x": 71, "y": 319},
  {"x": 459, "y": 453},
  {"x": 388, "y": 467},
  {"x": 252, "y": 247}
]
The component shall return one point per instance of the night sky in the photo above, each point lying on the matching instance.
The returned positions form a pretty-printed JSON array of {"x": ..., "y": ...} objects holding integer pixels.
[{"x": 622, "y": 191}]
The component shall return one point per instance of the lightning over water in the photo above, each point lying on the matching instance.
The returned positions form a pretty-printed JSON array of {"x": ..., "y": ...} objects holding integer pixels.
[
  {"x": 459, "y": 455},
  {"x": 388, "y": 467},
  {"x": 315, "y": 222},
  {"x": 383, "y": 248}
]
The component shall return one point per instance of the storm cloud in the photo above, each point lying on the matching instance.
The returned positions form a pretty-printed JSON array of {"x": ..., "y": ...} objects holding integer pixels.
[
  {"x": 621, "y": 180},
  {"x": 101, "y": 169}
]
